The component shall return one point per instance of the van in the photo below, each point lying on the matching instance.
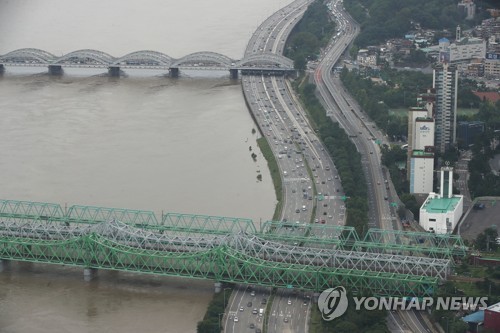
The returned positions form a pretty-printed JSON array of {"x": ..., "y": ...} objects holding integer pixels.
[{"x": 304, "y": 208}]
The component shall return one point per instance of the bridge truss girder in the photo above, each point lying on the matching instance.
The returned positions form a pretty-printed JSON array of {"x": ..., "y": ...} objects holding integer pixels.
[
  {"x": 310, "y": 235},
  {"x": 208, "y": 59},
  {"x": 219, "y": 264},
  {"x": 144, "y": 57},
  {"x": 29, "y": 54},
  {"x": 77, "y": 57},
  {"x": 267, "y": 59},
  {"x": 416, "y": 243}
]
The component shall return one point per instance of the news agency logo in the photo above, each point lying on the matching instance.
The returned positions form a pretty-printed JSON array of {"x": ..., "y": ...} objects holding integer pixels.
[
  {"x": 424, "y": 128},
  {"x": 333, "y": 303}
]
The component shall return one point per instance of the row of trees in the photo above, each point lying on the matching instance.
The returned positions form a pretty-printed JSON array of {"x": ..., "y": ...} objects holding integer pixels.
[
  {"x": 482, "y": 181},
  {"x": 346, "y": 157},
  {"x": 309, "y": 35}
]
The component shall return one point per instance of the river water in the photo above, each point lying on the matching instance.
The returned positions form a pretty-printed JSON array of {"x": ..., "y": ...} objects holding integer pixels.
[{"x": 142, "y": 141}]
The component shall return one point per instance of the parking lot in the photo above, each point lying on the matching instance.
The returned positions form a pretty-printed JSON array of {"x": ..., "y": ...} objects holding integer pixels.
[{"x": 480, "y": 219}]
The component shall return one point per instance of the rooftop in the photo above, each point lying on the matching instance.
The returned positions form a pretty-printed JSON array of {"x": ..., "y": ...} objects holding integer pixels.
[
  {"x": 441, "y": 205},
  {"x": 476, "y": 317},
  {"x": 494, "y": 307}
]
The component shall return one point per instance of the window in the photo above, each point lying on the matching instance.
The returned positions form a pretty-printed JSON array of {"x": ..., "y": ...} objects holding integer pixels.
[{"x": 432, "y": 220}]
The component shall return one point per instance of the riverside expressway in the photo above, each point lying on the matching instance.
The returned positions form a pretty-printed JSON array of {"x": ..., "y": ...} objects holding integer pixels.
[
  {"x": 308, "y": 175},
  {"x": 365, "y": 135}
]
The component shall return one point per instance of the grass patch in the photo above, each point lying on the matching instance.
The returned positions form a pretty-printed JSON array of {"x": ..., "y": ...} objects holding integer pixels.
[
  {"x": 274, "y": 169},
  {"x": 269, "y": 306},
  {"x": 316, "y": 322}
]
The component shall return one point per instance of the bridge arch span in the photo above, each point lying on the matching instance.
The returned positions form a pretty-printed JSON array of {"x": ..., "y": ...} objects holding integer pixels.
[
  {"x": 145, "y": 57},
  {"x": 86, "y": 57},
  {"x": 206, "y": 59},
  {"x": 267, "y": 60},
  {"x": 29, "y": 55}
]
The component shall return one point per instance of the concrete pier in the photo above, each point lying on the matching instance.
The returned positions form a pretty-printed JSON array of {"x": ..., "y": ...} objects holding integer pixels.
[
  {"x": 4, "y": 264},
  {"x": 233, "y": 73},
  {"x": 114, "y": 71},
  {"x": 89, "y": 274},
  {"x": 174, "y": 72},
  {"x": 55, "y": 70}
]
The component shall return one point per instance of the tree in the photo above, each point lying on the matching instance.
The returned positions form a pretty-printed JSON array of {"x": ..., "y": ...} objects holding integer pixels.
[{"x": 486, "y": 241}]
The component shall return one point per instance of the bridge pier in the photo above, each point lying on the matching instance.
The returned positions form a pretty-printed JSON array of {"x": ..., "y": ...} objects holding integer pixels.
[
  {"x": 114, "y": 71},
  {"x": 2, "y": 68},
  {"x": 233, "y": 73},
  {"x": 218, "y": 287},
  {"x": 174, "y": 72},
  {"x": 89, "y": 274},
  {"x": 4, "y": 264},
  {"x": 55, "y": 70}
]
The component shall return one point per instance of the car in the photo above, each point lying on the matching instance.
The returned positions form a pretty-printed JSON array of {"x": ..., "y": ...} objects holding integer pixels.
[
  {"x": 289, "y": 302},
  {"x": 257, "y": 330},
  {"x": 254, "y": 311},
  {"x": 235, "y": 319},
  {"x": 371, "y": 152},
  {"x": 241, "y": 309},
  {"x": 249, "y": 304},
  {"x": 253, "y": 291},
  {"x": 285, "y": 319},
  {"x": 252, "y": 325},
  {"x": 323, "y": 221},
  {"x": 264, "y": 301},
  {"x": 297, "y": 210}
]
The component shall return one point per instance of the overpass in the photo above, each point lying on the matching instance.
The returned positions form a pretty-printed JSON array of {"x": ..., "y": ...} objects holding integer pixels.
[
  {"x": 267, "y": 62},
  {"x": 306, "y": 257}
]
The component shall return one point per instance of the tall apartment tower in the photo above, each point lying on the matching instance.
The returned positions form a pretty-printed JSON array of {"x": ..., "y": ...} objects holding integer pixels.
[{"x": 445, "y": 84}]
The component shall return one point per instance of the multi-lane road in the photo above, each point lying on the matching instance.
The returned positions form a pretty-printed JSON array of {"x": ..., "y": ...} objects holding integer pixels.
[{"x": 310, "y": 180}]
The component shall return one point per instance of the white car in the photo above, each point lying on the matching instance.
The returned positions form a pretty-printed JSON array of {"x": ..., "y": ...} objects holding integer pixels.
[
  {"x": 235, "y": 319},
  {"x": 289, "y": 302}
]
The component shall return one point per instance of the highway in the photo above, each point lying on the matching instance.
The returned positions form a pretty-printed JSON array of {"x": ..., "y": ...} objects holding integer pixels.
[
  {"x": 343, "y": 109},
  {"x": 310, "y": 180}
]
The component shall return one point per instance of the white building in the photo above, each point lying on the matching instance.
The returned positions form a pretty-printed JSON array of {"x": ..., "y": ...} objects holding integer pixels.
[
  {"x": 423, "y": 133},
  {"x": 467, "y": 49},
  {"x": 421, "y": 172},
  {"x": 469, "y": 9},
  {"x": 441, "y": 212}
]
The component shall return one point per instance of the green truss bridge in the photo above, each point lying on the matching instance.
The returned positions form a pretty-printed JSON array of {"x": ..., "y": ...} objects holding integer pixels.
[{"x": 308, "y": 257}]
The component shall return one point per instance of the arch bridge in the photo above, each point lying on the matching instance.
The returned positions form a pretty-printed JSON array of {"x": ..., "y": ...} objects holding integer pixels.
[
  {"x": 147, "y": 59},
  {"x": 307, "y": 257}
]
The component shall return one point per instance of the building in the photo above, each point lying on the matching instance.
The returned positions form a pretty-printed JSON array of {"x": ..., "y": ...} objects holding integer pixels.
[
  {"x": 445, "y": 83},
  {"x": 421, "y": 172},
  {"x": 467, "y": 49},
  {"x": 468, "y": 131},
  {"x": 492, "y": 318},
  {"x": 441, "y": 212},
  {"x": 492, "y": 65},
  {"x": 468, "y": 7},
  {"x": 366, "y": 58},
  {"x": 423, "y": 133}
]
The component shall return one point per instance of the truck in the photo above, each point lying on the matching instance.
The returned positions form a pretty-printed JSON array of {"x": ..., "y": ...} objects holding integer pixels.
[{"x": 261, "y": 312}]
